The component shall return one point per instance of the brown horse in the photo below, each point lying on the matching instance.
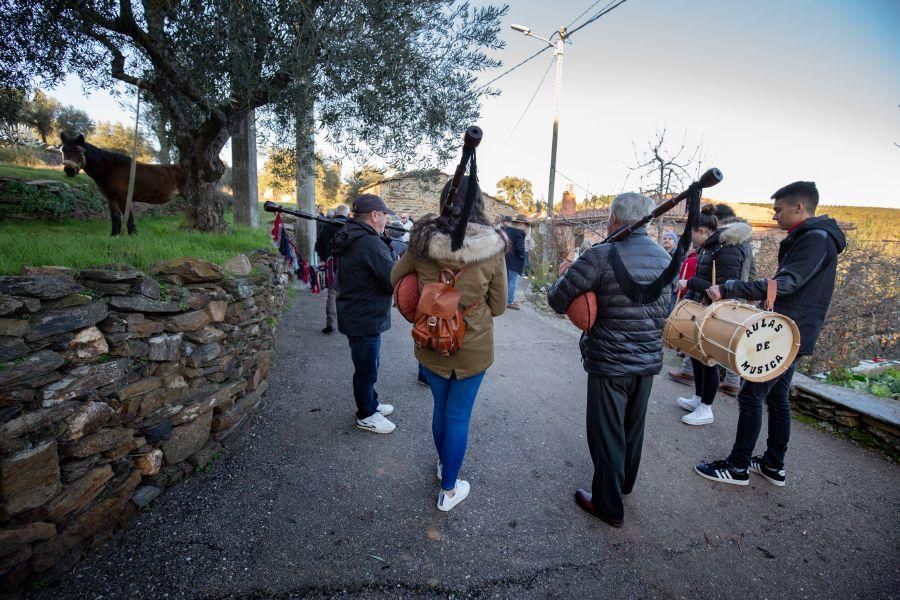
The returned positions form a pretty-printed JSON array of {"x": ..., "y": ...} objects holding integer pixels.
[{"x": 153, "y": 184}]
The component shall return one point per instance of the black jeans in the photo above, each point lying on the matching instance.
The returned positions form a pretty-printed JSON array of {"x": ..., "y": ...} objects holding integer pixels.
[
  {"x": 616, "y": 412},
  {"x": 776, "y": 395},
  {"x": 366, "y": 354},
  {"x": 706, "y": 381}
]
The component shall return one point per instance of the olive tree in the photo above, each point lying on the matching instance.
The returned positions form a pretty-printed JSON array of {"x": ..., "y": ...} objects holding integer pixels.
[{"x": 394, "y": 78}]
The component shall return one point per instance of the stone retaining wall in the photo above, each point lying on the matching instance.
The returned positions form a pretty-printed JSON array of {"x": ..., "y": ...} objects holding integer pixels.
[
  {"x": 868, "y": 419},
  {"x": 115, "y": 385}
]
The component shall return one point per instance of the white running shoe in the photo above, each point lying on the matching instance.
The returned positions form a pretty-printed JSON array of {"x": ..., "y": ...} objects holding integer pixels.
[
  {"x": 701, "y": 416},
  {"x": 385, "y": 409},
  {"x": 689, "y": 404},
  {"x": 446, "y": 502},
  {"x": 376, "y": 424}
]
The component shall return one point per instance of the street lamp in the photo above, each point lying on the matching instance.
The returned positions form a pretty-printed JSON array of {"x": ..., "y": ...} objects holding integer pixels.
[{"x": 548, "y": 239}]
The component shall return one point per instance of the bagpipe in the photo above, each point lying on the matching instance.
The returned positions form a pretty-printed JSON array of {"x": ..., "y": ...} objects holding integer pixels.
[
  {"x": 454, "y": 214},
  {"x": 583, "y": 309},
  {"x": 273, "y": 207}
]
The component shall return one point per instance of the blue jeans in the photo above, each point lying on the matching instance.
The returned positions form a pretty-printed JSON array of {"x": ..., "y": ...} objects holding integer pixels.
[
  {"x": 453, "y": 402},
  {"x": 512, "y": 278},
  {"x": 366, "y": 354},
  {"x": 776, "y": 395}
]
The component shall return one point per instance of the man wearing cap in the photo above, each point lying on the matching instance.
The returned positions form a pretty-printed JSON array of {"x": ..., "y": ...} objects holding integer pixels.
[{"x": 364, "y": 303}]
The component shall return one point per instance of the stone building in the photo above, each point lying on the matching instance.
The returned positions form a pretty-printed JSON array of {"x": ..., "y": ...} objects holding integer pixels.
[{"x": 417, "y": 193}]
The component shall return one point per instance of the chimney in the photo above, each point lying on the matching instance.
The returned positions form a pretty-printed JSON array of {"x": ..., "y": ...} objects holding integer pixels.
[{"x": 568, "y": 201}]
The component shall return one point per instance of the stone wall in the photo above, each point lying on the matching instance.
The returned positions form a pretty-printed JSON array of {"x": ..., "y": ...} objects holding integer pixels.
[
  {"x": 418, "y": 195},
  {"x": 115, "y": 385},
  {"x": 868, "y": 419}
]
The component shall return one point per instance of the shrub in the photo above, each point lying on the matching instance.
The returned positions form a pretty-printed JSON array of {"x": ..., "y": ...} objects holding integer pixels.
[{"x": 18, "y": 198}]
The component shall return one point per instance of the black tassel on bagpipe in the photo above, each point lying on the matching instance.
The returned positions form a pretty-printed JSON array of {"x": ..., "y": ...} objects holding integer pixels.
[
  {"x": 645, "y": 293},
  {"x": 455, "y": 216}
]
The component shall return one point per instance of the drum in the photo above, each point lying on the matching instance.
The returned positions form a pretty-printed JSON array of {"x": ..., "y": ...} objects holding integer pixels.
[
  {"x": 682, "y": 330},
  {"x": 756, "y": 344}
]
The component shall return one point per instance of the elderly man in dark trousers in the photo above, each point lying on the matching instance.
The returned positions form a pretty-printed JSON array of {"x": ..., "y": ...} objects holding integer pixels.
[
  {"x": 515, "y": 259},
  {"x": 324, "y": 239},
  {"x": 621, "y": 353},
  {"x": 807, "y": 265},
  {"x": 364, "y": 303}
]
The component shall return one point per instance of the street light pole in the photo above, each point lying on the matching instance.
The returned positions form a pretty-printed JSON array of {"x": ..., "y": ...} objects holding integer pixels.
[{"x": 549, "y": 241}]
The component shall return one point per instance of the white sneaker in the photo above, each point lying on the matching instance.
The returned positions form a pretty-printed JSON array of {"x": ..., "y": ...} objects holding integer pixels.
[
  {"x": 446, "y": 502},
  {"x": 689, "y": 404},
  {"x": 701, "y": 416},
  {"x": 385, "y": 409},
  {"x": 376, "y": 424}
]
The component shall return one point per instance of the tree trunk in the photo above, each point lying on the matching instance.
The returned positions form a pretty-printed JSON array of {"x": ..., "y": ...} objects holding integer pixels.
[
  {"x": 304, "y": 229},
  {"x": 203, "y": 169}
]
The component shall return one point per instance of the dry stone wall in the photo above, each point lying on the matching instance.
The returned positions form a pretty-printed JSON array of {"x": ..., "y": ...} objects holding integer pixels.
[{"x": 116, "y": 384}]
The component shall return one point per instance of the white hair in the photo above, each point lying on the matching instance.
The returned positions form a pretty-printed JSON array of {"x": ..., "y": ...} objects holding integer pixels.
[
  {"x": 631, "y": 207},
  {"x": 341, "y": 210}
]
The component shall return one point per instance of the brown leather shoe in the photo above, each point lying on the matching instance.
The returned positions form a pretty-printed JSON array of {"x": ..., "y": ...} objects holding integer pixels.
[
  {"x": 584, "y": 500},
  {"x": 731, "y": 390},
  {"x": 513, "y": 306},
  {"x": 681, "y": 376}
]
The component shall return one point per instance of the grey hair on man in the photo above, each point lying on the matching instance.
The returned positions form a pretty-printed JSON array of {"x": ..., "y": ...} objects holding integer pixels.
[
  {"x": 631, "y": 207},
  {"x": 341, "y": 210}
]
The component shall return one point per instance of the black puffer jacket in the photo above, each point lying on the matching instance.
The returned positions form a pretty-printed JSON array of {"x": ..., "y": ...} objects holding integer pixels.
[
  {"x": 626, "y": 340},
  {"x": 727, "y": 248},
  {"x": 364, "y": 289},
  {"x": 325, "y": 235},
  {"x": 807, "y": 265}
]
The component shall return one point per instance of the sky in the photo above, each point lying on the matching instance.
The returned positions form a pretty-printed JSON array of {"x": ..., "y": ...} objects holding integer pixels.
[{"x": 775, "y": 91}]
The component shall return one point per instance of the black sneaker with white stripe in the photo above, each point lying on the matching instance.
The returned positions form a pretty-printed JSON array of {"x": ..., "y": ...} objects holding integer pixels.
[
  {"x": 723, "y": 472},
  {"x": 773, "y": 476}
]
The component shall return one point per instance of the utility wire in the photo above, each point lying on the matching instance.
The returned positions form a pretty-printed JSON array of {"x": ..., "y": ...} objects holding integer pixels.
[
  {"x": 511, "y": 69},
  {"x": 595, "y": 17},
  {"x": 573, "y": 182},
  {"x": 587, "y": 10},
  {"x": 533, "y": 96}
]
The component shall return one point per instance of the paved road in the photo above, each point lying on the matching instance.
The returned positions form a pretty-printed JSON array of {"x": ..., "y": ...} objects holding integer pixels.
[{"x": 307, "y": 506}]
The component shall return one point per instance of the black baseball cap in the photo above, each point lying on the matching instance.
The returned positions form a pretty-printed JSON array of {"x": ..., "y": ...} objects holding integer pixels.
[{"x": 370, "y": 203}]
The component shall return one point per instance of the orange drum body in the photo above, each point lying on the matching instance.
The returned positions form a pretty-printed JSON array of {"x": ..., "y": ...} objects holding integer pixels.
[{"x": 756, "y": 344}]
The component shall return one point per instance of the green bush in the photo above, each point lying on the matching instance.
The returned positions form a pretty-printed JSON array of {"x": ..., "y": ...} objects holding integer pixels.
[
  {"x": 25, "y": 156},
  {"x": 23, "y": 199},
  {"x": 885, "y": 385}
]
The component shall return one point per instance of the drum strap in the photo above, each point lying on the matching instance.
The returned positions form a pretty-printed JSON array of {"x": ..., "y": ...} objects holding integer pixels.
[{"x": 771, "y": 292}]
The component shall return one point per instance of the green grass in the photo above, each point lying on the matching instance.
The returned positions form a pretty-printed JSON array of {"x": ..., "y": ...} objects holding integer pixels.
[
  {"x": 50, "y": 173},
  {"x": 83, "y": 244}
]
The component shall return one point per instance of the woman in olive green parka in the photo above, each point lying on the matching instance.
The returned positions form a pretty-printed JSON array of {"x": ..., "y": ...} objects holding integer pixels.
[{"x": 454, "y": 380}]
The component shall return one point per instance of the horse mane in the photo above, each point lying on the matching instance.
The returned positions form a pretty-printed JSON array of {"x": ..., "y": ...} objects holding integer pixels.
[{"x": 93, "y": 152}]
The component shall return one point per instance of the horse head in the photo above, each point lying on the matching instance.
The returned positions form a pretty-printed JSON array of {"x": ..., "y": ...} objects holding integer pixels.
[{"x": 72, "y": 153}]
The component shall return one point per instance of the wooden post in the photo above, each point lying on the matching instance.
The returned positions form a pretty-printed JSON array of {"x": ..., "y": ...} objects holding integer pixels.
[{"x": 133, "y": 173}]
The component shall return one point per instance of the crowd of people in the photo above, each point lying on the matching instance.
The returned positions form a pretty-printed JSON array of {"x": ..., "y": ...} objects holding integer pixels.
[{"x": 478, "y": 263}]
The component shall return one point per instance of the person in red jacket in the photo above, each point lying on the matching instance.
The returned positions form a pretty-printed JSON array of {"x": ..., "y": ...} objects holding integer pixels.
[{"x": 685, "y": 373}]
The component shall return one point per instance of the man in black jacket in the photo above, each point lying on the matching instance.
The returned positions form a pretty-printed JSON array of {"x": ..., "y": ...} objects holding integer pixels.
[
  {"x": 364, "y": 303},
  {"x": 515, "y": 259},
  {"x": 621, "y": 353},
  {"x": 807, "y": 264},
  {"x": 324, "y": 248}
]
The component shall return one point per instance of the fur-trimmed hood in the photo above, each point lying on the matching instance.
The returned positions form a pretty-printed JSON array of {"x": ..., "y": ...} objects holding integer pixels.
[
  {"x": 735, "y": 234},
  {"x": 481, "y": 243}
]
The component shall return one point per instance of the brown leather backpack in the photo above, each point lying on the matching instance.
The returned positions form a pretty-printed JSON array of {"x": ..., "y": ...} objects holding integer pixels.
[{"x": 439, "y": 323}]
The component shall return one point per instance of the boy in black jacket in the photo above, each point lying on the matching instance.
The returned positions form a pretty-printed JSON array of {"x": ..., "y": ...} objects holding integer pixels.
[{"x": 807, "y": 264}]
